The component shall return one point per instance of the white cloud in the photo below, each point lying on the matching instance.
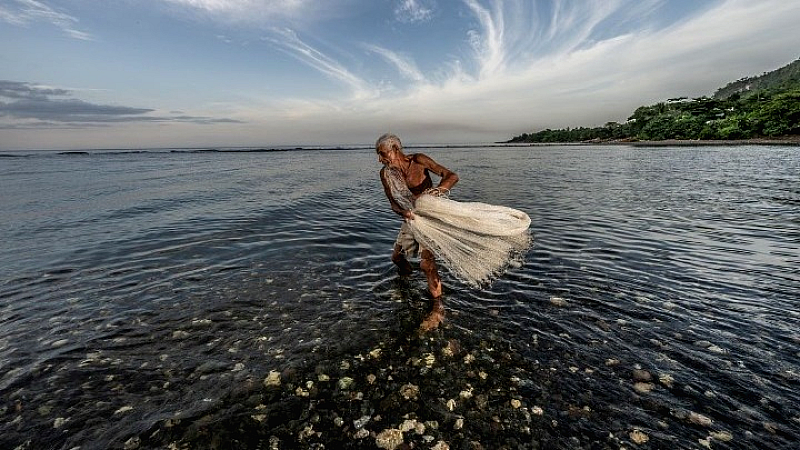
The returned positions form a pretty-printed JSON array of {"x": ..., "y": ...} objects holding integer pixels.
[
  {"x": 582, "y": 83},
  {"x": 410, "y": 11},
  {"x": 25, "y": 12},
  {"x": 277, "y": 7},
  {"x": 531, "y": 68},
  {"x": 404, "y": 64},
  {"x": 288, "y": 40},
  {"x": 265, "y": 12}
]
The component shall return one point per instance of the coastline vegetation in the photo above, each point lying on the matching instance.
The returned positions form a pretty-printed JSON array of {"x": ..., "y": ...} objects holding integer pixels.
[{"x": 767, "y": 106}]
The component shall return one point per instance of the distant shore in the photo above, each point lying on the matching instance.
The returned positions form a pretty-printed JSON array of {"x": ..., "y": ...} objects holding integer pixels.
[{"x": 787, "y": 140}]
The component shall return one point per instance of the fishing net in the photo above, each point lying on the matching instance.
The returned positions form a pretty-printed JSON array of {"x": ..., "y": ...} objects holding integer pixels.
[{"x": 475, "y": 241}]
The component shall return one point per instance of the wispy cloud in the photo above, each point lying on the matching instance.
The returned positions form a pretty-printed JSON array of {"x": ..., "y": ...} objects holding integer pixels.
[
  {"x": 410, "y": 11},
  {"x": 512, "y": 34},
  {"x": 404, "y": 64},
  {"x": 237, "y": 7},
  {"x": 288, "y": 40},
  {"x": 263, "y": 13},
  {"x": 29, "y": 105},
  {"x": 26, "y": 12}
]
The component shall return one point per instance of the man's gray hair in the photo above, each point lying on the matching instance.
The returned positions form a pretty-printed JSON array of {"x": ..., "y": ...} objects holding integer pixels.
[{"x": 390, "y": 139}]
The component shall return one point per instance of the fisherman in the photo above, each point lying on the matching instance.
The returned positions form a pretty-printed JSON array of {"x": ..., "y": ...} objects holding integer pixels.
[{"x": 415, "y": 170}]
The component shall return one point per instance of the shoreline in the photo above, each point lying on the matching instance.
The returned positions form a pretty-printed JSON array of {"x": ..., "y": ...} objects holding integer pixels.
[
  {"x": 789, "y": 140},
  {"x": 793, "y": 141}
]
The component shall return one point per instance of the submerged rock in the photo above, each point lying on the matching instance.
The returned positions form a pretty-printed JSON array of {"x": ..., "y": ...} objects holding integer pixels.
[
  {"x": 345, "y": 383},
  {"x": 700, "y": 419},
  {"x": 389, "y": 439},
  {"x": 639, "y": 437},
  {"x": 273, "y": 379},
  {"x": 409, "y": 391},
  {"x": 642, "y": 375},
  {"x": 722, "y": 436}
]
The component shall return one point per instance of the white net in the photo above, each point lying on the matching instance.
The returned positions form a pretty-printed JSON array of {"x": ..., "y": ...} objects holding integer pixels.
[{"x": 475, "y": 241}]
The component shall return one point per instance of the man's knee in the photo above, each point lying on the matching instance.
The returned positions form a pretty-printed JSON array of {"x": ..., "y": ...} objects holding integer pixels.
[{"x": 427, "y": 262}]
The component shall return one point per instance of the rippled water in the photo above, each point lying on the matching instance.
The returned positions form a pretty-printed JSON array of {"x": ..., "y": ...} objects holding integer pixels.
[{"x": 660, "y": 298}]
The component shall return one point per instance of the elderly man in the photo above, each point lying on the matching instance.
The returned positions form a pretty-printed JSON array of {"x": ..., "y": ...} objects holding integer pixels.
[{"x": 415, "y": 170}]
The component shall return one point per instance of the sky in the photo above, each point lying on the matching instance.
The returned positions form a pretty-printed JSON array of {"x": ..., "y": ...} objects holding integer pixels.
[{"x": 78, "y": 74}]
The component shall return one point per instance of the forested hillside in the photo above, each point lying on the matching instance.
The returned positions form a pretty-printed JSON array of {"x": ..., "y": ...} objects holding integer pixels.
[
  {"x": 784, "y": 79},
  {"x": 763, "y": 106}
]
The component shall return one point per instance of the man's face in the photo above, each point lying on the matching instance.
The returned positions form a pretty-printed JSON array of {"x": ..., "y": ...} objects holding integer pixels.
[{"x": 386, "y": 155}]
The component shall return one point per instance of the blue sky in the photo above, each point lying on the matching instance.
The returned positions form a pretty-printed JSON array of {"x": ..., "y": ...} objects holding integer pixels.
[{"x": 166, "y": 73}]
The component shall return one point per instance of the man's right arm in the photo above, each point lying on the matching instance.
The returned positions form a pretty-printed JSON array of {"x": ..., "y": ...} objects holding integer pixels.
[{"x": 404, "y": 213}]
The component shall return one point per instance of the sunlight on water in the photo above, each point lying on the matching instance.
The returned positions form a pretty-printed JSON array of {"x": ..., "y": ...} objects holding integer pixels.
[{"x": 238, "y": 300}]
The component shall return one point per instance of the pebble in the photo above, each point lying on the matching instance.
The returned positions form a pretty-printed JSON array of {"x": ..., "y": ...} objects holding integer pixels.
[
  {"x": 345, "y": 383},
  {"x": 722, "y": 436},
  {"x": 642, "y": 375},
  {"x": 300, "y": 392},
  {"x": 132, "y": 443},
  {"x": 700, "y": 419},
  {"x": 643, "y": 388},
  {"x": 409, "y": 391},
  {"x": 558, "y": 301},
  {"x": 666, "y": 380},
  {"x": 537, "y": 410},
  {"x": 273, "y": 379},
  {"x": 441, "y": 445},
  {"x": 359, "y": 423},
  {"x": 59, "y": 422},
  {"x": 180, "y": 334},
  {"x": 412, "y": 424},
  {"x": 515, "y": 403},
  {"x": 639, "y": 437},
  {"x": 59, "y": 343},
  {"x": 389, "y": 439},
  {"x": 124, "y": 409}
]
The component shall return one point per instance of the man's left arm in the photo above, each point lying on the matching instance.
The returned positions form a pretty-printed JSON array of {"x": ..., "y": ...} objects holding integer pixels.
[{"x": 449, "y": 178}]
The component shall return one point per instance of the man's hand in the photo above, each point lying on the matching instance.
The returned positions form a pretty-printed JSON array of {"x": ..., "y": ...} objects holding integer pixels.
[{"x": 408, "y": 215}]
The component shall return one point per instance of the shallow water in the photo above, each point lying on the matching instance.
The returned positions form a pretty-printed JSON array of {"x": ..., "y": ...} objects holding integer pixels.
[{"x": 145, "y": 297}]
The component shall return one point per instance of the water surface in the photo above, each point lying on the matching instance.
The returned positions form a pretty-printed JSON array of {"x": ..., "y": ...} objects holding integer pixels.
[{"x": 146, "y": 296}]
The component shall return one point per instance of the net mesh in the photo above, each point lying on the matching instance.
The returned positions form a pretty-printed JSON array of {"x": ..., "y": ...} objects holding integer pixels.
[{"x": 475, "y": 241}]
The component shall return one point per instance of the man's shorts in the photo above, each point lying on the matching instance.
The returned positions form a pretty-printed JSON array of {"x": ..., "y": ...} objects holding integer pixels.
[{"x": 405, "y": 239}]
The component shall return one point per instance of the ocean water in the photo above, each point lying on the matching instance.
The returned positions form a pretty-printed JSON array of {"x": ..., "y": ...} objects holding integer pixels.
[{"x": 207, "y": 299}]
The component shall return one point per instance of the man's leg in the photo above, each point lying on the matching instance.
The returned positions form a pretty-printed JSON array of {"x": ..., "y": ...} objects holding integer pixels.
[
  {"x": 399, "y": 258},
  {"x": 428, "y": 266}
]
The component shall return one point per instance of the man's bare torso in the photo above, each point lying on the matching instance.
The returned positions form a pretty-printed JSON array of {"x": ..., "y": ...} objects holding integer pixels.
[{"x": 417, "y": 177}]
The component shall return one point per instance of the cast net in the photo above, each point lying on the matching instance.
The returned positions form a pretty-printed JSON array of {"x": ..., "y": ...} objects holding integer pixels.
[{"x": 475, "y": 241}]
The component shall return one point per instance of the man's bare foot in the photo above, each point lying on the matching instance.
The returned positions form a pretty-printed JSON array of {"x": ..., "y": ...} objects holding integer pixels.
[{"x": 436, "y": 316}]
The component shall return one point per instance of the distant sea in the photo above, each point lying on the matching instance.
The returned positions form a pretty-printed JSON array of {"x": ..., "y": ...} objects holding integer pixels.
[{"x": 224, "y": 298}]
